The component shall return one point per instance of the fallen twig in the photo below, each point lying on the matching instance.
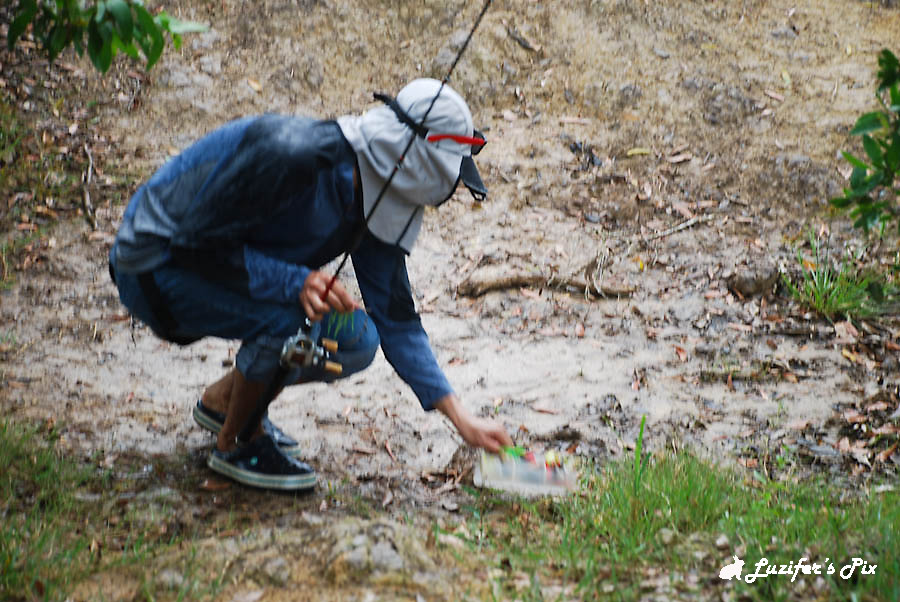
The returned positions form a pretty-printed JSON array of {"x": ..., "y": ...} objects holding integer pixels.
[
  {"x": 520, "y": 39},
  {"x": 478, "y": 284},
  {"x": 88, "y": 207},
  {"x": 682, "y": 226}
]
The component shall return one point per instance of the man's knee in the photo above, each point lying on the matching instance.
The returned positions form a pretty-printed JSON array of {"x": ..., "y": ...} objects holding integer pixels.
[{"x": 356, "y": 352}]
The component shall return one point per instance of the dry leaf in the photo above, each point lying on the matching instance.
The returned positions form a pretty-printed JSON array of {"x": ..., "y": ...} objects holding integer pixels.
[
  {"x": 850, "y": 355},
  {"x": 681, "y": 353},
  {"x": 390, "y": 452},
  {"x": 255, "y": 85},
  {"x": 845, "y": 333},
  {"x": 798, "y": 425},
  {"x": 251, "y": 596},
  {"x": 214, "y": 485},
  {"x": 854, "y": 417},
  {"x": 683, "y": 209},
  {"x": 544, "y": 410},
  {"x": 883, "y": 456},
  {"x": 388, "y": 498},
  {"x": 774, "y": 95},
  {"x": 680, "y": 158},
  {"x": 886, "y": 429},
  {"x": 638, "y": 151},
  {"x": 579, "y": 330},
  {"x": 878, "y": 406}
]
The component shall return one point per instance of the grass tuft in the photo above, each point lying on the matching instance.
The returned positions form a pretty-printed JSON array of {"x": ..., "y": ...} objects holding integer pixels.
[
  {"x": 37, "y": 542},
  {"x": 840, "y": 290},
  {"x": 683, "y": 522}
]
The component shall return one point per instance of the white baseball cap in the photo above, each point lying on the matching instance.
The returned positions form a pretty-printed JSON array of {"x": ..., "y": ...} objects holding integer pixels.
[{"x": 438, "y": 159}]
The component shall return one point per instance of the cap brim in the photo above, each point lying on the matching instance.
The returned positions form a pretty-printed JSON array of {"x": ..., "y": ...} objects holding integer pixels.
[{"x": 469, "y": 175}]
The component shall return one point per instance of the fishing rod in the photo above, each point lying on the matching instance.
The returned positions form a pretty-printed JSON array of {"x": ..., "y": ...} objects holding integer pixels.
[
  {"x": 362, "y": 230},
  {"x": 301, "y": 350}
]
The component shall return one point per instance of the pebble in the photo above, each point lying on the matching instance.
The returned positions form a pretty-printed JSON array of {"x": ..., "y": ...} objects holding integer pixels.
[
  {"x": 666, "y": 536},
  {"x": 170, "y": 579},
  {"x": 278, "y": 570}
]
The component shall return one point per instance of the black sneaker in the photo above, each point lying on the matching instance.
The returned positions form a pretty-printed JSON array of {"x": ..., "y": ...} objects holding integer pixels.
[
  {"x": 213, "y": 421},
  {"x": 260, "y": 463}
]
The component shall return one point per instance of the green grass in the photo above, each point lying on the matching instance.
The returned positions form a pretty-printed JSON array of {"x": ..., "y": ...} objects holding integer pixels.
[
  {"x": 833, "y": 290},
  {"x": 47, "y": 529},
  {"x": 606, "y": 540},
  {"x": 40, "y": 551}
]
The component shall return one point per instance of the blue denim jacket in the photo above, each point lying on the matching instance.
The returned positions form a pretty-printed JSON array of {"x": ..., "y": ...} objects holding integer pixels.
[{"x": 257, "y": 205}]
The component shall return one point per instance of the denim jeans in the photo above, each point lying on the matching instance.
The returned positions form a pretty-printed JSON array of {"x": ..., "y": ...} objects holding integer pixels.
[{"x": 203, "y": 308}]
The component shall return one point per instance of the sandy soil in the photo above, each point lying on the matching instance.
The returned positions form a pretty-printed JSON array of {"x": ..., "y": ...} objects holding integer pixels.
[{"x": 609, "y": 125}]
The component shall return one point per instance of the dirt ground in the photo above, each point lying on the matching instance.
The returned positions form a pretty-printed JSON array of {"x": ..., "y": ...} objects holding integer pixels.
[{"x": 673, "y": 151}]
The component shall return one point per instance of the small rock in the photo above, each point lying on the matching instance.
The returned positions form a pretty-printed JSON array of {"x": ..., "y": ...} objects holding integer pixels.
[
  {"x": 784, "y": 33},
  {"x": 211, "y": 64},
  {"x": 385, "y": 558},
  {"x": 722, "y": 542},
  {"x": 756, "y": 279},
  {"x": 170, "y": 579},
  {"x": 205, "y": 40},
  {"x": 277, "y": 570},
  {"x": 666, "y": 536},
  {"x": 661, "y": 53}
]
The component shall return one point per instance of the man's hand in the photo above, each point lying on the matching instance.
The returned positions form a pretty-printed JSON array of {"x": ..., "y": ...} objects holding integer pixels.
[
  {"x": 477, "y": 432},
  {"x": 311, "y": 297}
]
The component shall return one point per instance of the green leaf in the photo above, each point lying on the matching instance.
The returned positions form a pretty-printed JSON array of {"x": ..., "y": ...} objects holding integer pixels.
[
  {"x": 78, "y": 41},
  {"x": 27, "y": 10},
  {"x": 177, "y": 26},
  {"x": 101, "y": 11},
  {"x": 854, "y": 161},
  {"x": 99, "y": 47},
  {"x": 58, "y": 39},
  {"x": 868, "y": 217},
  {"x": 121, "y": 12},
  {"x": 858, "y": 177},
  {"x": 895, "y": 98},
  {"x": 892, "y": 156},
  {"x": 888, "y": 69},
  {"x": 75, "y": 13},
  {"x": 153, "y": 48},
  {"x": 130, "y": 49},
  {"x": 841, "y": 202},
  {"x": 870, "y": 122},
  {"x": 873, "y": 150}
]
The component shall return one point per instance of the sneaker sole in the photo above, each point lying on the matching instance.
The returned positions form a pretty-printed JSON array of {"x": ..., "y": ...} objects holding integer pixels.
[
  {"x": 253, "y": 479},
  {"x": 214, "y": 426}
]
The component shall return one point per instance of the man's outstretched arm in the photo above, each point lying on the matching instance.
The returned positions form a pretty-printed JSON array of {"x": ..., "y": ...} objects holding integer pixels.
[{"x": 477, "y": 432}]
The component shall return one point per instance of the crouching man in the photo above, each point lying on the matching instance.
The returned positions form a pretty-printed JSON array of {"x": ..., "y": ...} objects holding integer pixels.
[{"x": 228, "y": 240}]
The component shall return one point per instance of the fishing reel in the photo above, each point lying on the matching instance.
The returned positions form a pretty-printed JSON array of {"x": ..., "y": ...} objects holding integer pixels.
[{"x": 302, "y": 351}]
